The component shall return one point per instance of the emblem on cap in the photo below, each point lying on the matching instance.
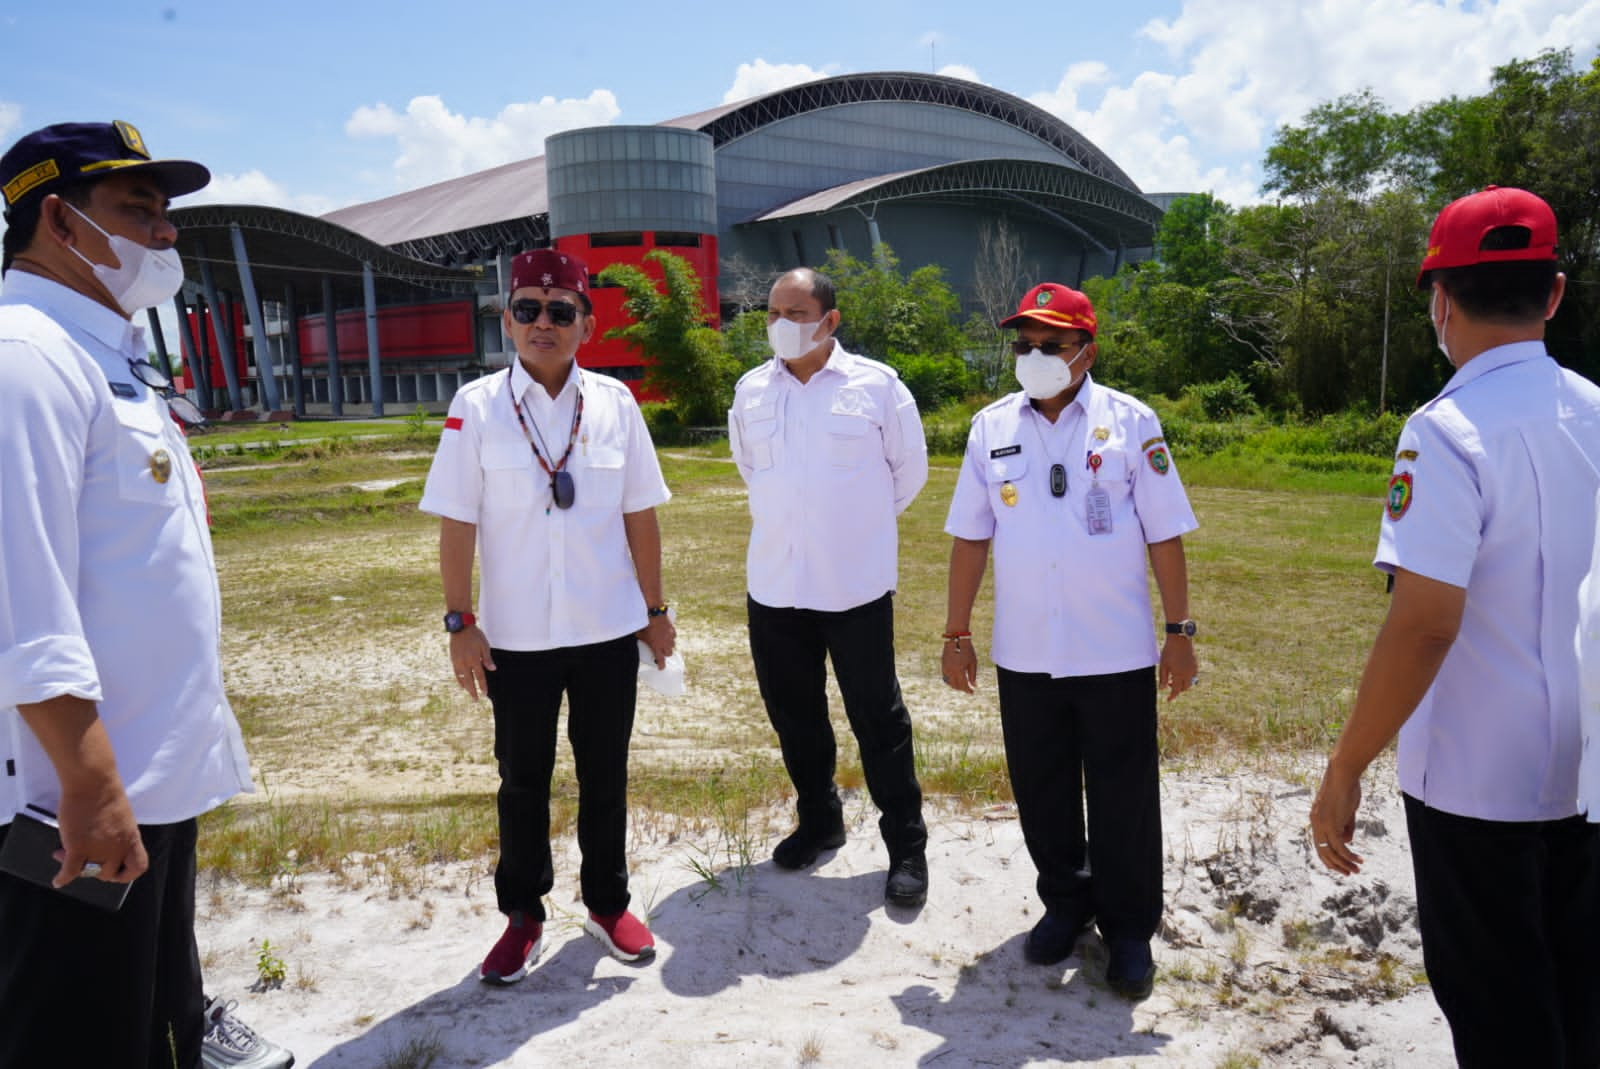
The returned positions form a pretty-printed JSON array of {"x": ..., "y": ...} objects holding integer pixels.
[
  {"x": 131, "y": 138},
  {"x": 1044, "y": 298}
]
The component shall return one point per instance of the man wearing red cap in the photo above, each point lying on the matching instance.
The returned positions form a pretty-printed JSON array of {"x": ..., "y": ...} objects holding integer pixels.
[
  {"x": 1073, "y": 485},
  {"x": 1487, "y": 535},
  {"x": 124, "y": 740},
  {"x": 549, "y": 470}
]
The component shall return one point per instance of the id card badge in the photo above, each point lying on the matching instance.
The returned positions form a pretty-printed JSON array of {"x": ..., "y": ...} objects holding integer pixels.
[{"x": 1097, "y": 507}]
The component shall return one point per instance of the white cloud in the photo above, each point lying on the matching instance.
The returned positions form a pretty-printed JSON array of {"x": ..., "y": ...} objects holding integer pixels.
[
  {"x": 760, "y": 78},
  {"x": 436, "y": 143},
  {"x": 962, "y": 71},
  {"x": 10, "y": 121},
  {"x": 254, "y": 187},
  {"x": 1239, "y": 69}
]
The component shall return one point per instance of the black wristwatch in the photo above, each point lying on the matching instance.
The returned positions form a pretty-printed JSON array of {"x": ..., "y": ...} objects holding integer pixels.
[
  {"x": 1186, "y": 628},
  {"x": 458, "y": 621}
]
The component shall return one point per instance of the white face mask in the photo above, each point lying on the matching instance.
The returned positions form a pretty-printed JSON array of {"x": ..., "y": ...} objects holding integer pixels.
[
  {"x": 146, "y": 277},
  {"x": 791, "y": 340},
  {"x": 1438, "y": 331},
  {"x": 1043, "y": 377}
]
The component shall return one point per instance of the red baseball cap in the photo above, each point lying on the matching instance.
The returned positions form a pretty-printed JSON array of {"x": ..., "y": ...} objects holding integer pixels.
[
  {"x": 1457, "y": 236},
  {"x": 549, "y": 269},
  {"x": 1054, "y": 305}
]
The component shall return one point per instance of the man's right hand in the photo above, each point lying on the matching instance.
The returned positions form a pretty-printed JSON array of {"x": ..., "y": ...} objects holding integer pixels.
[
  {"x": 958, "y": 664},
  {"x": 469, "y": 654},
  {"x": 97, "y": 825}
]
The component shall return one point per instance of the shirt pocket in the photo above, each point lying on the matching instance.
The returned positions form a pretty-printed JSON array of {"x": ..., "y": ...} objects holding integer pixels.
[
  {"x": 147, "y": 461},
  {"x": 510, "y": 481},
  {"x": 758, "y": 437},
  {"x": 1003, "y": 476},
  {"x": 598, "y": 479},
  {"x": 850, "y": 439}
]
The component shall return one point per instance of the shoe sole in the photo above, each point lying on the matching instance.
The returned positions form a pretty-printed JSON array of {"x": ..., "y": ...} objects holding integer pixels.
[
  {"x": 907, "y": 901},
  {"x": 496, "y": 978},
  {"x": 594, "y": 929}
]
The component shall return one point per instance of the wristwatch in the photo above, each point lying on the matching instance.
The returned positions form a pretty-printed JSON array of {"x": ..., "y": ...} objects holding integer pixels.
[
  {"x": 458, "y": 621},
  {"x": 1186, "y": 628}
]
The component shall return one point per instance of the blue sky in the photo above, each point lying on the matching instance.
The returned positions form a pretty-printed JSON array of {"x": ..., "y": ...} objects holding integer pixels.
[{"x": 317, "y": 105}]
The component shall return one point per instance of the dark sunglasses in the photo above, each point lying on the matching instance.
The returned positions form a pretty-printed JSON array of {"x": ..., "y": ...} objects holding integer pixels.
[
  {"x": 562, "y": 313},
  {"x": 183, "y": 410},
  {"x": 1048, "y": 348},
  {"x": 563, "y": 489}
]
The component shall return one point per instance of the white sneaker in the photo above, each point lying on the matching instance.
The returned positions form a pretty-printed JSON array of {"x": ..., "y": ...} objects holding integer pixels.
[{"x": 229, "y": 1043}]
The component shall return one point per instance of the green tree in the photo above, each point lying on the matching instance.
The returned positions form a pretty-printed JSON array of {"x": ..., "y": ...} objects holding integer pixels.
[{"x": 684, "y": 358}]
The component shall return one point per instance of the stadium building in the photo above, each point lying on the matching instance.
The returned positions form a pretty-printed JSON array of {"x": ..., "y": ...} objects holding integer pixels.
[{"x": 398, "y": 300}]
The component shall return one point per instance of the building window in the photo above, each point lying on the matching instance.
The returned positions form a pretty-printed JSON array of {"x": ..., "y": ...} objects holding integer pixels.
[
  {"x": 677, "y": 239},
  {"x": 614, "y": 239},
  {"x": 799, "y": 248}
]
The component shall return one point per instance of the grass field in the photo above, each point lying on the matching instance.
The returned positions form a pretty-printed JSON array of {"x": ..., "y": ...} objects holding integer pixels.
[{"x": 336, "y": 665}]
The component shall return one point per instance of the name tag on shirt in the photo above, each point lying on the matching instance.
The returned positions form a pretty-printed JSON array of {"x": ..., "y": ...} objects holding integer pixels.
[
  {"x": 1097, "y": 507},
  {"x": 124, "y": 389},
  {"x": 1005, "y": 451}
]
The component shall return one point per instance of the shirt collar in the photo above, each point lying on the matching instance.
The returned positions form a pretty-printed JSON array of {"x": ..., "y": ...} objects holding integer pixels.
[
  {"x": 1493, "y": 360},
  {"x": 521, "y": 382},
  {"x": 838, "y": 361},
  {"x": 1083, "y": 400},
  {"x": 69, "y": 307}
]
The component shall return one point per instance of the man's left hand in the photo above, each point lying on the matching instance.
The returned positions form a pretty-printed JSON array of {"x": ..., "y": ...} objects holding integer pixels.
[
  {"x": 1179, "y": 668},
  {"x": 661, "y": 636}
]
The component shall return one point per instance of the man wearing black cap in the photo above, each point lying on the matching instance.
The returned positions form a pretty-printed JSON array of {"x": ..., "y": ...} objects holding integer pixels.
[
  {"x": 1487, "y": 534},
  {"x": 120, "y": 739},
  {"x": 548, "y": 470}
]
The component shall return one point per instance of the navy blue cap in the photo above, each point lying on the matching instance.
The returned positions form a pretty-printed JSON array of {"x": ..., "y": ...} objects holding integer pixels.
[{"x": 72, "y": 152}]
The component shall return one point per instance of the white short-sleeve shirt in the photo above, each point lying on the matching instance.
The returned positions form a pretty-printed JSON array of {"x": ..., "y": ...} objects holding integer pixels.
[
  {"x": 1071, "y": 593},
  {"x": 549, "y": 578},
  {"x": 1493, "y": 492},
  {"x": 108, "y": 587},
  {"x": 830, "y": 463},
  {"x": 1588, "y": 646}
]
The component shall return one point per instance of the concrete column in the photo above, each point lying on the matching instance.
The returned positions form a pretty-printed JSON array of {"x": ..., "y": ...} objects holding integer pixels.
[
  {"x": 193, "y": 359},
  {"x": 503, "y": 270},
  {"x": 291, "y": 348},
  {"x": 330, "y": 316},
  {"x": 266, "y": 373},
  {"x": 224, "y": 335},
  {"x": 160, "y": 339},
  {"x": 374, "y": 373}
]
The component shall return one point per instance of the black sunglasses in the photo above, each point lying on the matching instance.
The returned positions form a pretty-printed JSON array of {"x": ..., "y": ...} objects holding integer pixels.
[
  {"x": 184, "y": 410},
  {"x": 563, "y": 489},
  {"x": 562, "y": 313},
  {"x": 1048, "y": 348}
]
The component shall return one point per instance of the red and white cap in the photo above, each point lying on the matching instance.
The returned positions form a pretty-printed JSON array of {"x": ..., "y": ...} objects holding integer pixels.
[
  {"x": 549, "y": 269},
  {"x": 1456, "y": 239},
  {"x": 1054, "y": 305}
]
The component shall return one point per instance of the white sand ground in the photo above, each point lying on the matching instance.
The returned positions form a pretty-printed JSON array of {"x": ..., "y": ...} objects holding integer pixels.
[{"x": 1264, "y": 958}]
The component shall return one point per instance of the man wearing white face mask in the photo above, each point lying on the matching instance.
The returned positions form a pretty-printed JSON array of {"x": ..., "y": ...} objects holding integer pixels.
[
  {"x": 1487, "y": 533},
  {"x": 1073, "y": 485},
  {"x": 831, "y": 447},
  {"x": 124, "y": 737}
]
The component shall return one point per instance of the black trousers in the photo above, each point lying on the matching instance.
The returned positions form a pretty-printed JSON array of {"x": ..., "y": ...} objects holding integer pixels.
[
  {"x": 1089, "y": 738},
  {"x": 790, "y": 648},
  {"x": 601, "y": 683},
  {"x": 84, "y": 987},
  {"x": 1510, "y": 919}
]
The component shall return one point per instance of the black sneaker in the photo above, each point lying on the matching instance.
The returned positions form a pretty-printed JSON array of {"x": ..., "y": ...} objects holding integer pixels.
[
  {"x": 1130, "y": 970},
  {"x": 908, "y": 882},
  {"x": 801, "y": 848},
  {"x": 1055, "y": 937}
]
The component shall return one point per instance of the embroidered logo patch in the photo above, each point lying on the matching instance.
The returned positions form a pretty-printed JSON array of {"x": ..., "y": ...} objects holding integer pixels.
[
  {"x": 1399, "y": 495},
  {"x": 1159, "y": 461},
  {"x": 1044, "y": 298}
]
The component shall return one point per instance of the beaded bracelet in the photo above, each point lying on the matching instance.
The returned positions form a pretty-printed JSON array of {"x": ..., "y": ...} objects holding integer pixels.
[{"x": 956, "y": 637}]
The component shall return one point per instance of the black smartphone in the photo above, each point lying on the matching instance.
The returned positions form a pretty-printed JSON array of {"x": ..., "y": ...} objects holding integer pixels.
[{"x": 28, "y": 853}]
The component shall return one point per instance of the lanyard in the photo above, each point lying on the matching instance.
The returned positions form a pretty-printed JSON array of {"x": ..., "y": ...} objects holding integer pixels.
[{"x": 572, "y": 437}]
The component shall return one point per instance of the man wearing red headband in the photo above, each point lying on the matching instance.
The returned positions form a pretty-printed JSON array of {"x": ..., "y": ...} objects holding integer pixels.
[
  {"x": 1487, "y": 534},
  {"x": 1073, "y": 485},
  {"x": 549, "y": 469}
]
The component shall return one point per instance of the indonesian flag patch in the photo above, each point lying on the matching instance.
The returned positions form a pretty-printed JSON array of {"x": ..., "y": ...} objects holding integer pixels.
[{"x": 1399, "y": 495}]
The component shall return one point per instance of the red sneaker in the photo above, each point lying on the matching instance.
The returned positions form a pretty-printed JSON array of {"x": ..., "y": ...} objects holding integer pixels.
[
  {"x": 623, "y": 936},
  {"x": 517, "y": 949}
]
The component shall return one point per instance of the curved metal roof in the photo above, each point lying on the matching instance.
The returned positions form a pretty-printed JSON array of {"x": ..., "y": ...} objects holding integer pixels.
[
  {"x": 505, "y": 195},
  {"x": 287, "y": 248},
  {"x": 732, "y": 121},
  {"x": 1109, "y": 213}
]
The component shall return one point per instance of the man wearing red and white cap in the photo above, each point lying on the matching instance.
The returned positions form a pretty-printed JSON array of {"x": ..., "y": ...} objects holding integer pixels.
[
  {"x": 1487, "y": 534},
  {"x": 1074, "y": 486},
  {"x": 548, "y": 469}
]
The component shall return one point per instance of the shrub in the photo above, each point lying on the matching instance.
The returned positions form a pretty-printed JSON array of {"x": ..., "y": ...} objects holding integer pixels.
[{"x": 1227, "y": 398}]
